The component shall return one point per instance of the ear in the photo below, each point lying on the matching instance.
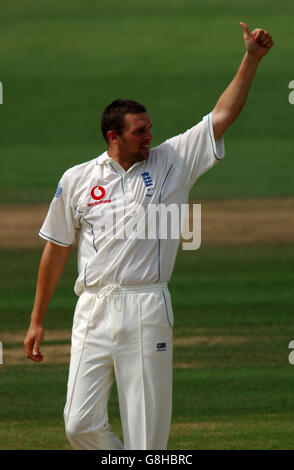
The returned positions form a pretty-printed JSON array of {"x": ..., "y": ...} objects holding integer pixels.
[{"x": 113, "y": 137}]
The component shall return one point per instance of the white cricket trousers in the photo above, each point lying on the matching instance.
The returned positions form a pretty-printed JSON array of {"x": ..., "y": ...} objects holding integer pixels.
[{"x": 121, "y": 333}]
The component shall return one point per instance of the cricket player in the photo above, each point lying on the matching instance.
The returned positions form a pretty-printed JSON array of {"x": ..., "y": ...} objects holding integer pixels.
[{"x": 123, "y": 321}]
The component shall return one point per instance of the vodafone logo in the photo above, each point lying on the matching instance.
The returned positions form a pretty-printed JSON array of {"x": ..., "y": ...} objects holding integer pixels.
[{"x": 97, "y": 193}]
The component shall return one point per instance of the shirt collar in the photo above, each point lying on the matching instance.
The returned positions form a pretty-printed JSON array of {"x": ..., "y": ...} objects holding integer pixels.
[{"x": 103, "y": 158}]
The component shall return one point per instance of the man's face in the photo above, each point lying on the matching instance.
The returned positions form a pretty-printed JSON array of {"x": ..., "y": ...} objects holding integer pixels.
[{"x": 134, "y": 142}]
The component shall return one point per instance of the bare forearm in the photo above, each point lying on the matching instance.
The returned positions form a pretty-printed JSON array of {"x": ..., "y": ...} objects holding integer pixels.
[
  {"x": 231, "y": 102},
  {"x": 234, "y": 97},
  {"x": 51, "y": 267}
]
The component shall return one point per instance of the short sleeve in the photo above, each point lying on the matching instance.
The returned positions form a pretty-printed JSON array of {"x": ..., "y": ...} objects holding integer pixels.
[
  {"x": 59, "y": 225},
  {"x": 196, "y": 151}
]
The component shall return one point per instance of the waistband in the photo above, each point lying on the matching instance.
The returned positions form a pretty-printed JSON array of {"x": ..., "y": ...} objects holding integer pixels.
[{"x": 105, "y": 291}]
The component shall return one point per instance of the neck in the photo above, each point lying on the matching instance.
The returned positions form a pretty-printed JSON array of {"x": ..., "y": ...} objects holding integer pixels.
[{"x": 124, "y": 162}]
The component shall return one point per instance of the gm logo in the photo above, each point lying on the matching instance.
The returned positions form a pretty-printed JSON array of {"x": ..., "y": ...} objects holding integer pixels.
[{"x": 161, "y": 346}]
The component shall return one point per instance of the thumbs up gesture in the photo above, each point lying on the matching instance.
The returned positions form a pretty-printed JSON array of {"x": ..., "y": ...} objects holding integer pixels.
[{"x": 258, "y": 42}]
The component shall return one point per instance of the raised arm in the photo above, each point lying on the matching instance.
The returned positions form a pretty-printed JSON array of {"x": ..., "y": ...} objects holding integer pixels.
[
  {"x": 231, "y": 102},
  {"x": 51, "y": 267}
]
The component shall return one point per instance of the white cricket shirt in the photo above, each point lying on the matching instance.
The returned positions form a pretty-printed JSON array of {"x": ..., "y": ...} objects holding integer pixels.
[{"x": 101, "y": 189}]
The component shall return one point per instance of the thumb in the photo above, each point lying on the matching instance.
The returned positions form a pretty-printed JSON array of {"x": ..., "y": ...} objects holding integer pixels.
[
  {"x": 245, "y": 29},
  {"x": 36, "y": 347},
  {"x": 37, "y": 343}
]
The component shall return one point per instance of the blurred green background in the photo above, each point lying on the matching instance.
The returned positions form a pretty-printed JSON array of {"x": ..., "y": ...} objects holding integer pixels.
[{"x": 61, "y": 64}]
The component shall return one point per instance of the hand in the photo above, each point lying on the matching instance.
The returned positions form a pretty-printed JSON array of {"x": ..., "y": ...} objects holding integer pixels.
[
  {"x": 32, "y": 343},
  {"x": 258, "y": 42}
]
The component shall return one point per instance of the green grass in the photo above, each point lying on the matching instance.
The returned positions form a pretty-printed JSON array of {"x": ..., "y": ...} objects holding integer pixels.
[
  {"x": 213, "y": 287},
  {"x": 214, "y": 408},
  {"x": 233, "y": 388},
  {"x": 61, "y": 64}
]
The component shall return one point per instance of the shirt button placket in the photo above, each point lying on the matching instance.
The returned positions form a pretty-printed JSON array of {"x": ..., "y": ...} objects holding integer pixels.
[{"x": 128, "y": 188}]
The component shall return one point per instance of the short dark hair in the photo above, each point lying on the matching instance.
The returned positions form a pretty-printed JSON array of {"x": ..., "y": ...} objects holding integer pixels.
[{"x": 113, "y": 116}]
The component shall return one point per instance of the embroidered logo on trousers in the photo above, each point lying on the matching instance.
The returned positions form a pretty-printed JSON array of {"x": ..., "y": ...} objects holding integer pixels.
[{"x": 161, "y": 346}]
